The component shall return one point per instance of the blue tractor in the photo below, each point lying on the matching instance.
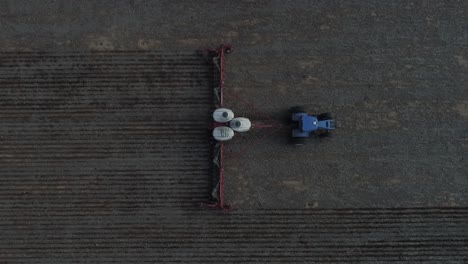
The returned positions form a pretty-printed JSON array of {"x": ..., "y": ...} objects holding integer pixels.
[{"x": 305, "y": 125}]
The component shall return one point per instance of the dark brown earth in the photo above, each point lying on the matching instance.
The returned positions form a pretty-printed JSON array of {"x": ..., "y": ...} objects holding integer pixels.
[{"x": 106, "y": 156}]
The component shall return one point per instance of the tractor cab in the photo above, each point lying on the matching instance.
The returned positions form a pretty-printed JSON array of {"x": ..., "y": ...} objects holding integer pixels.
[{"x": 308, "y": 123}]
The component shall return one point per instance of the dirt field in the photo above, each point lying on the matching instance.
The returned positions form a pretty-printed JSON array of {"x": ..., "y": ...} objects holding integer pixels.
[{"x": 105, "y": 150}]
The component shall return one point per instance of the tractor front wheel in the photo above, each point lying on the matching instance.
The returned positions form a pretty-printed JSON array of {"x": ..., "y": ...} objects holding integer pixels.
[
  {"x": 298, "y": 141},
  {"x": 297, "y": 109},
  {"x": 324, "y": 116},
  {"x": 325, "y": 134}
]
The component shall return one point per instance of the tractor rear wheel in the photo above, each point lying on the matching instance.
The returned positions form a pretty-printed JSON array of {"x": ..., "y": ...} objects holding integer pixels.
[
  {"x": 324, "y": 116},
  {"x": 297, "y": 109},
  {"x": 298, "y": 141}
]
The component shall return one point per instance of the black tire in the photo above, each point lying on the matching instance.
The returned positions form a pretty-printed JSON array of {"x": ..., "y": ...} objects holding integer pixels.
[
  {"x": 324, "y": 116},
  {"x": 298, "y": 141},
  {"x": 297, "y": 109},
  {"x": 325, "y": 134}
]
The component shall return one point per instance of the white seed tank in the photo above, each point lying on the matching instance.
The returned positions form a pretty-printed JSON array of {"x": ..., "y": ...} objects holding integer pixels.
[
  {"x": 240, "y": 124},
  {"x": 223, "y": 133},
  {"x": 223, "y": 115}
]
